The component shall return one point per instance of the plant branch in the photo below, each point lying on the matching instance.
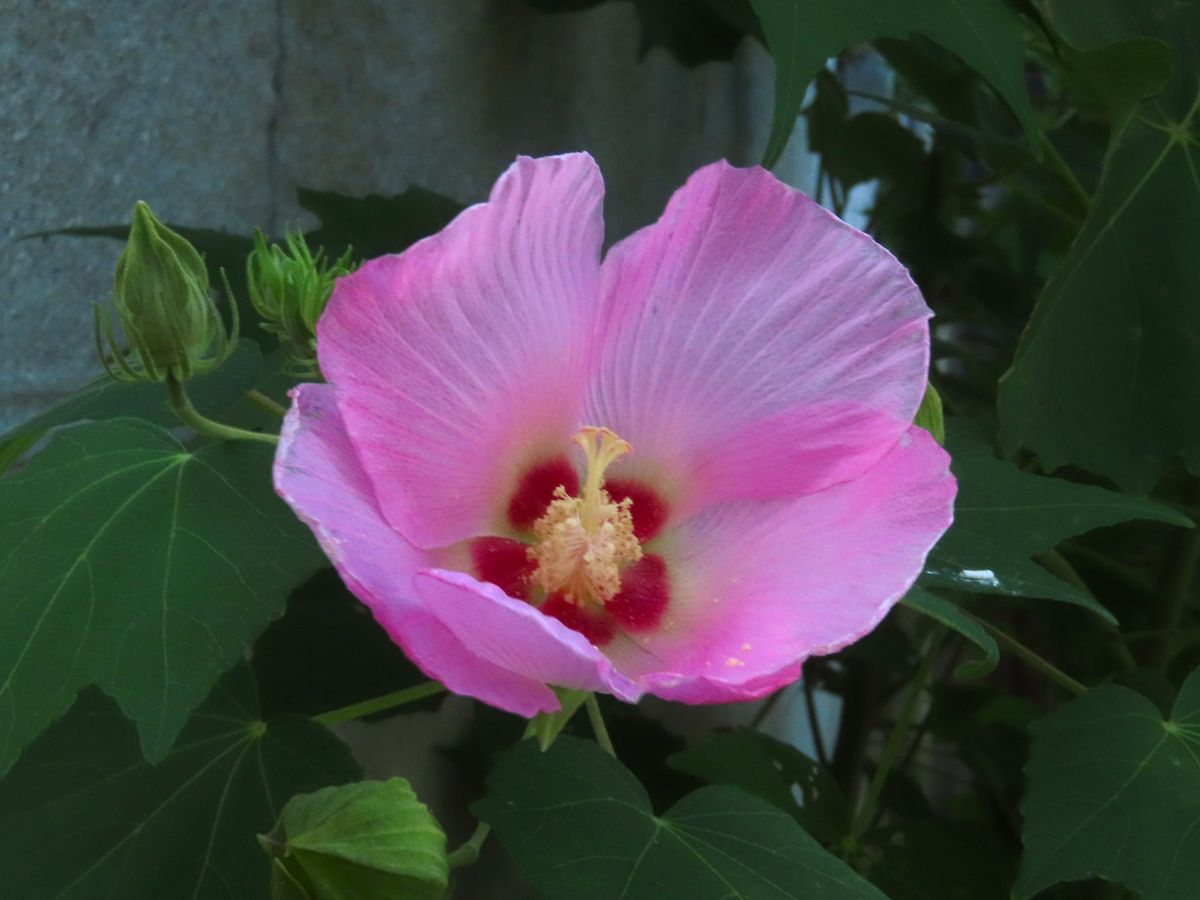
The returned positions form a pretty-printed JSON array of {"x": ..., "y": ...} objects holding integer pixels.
[
  {"x": 261, "y": 400},
  {"x": 1067, "y": 173},
  {"x": 182, "y": 405},
  {"x": 810, "y": 709},
  {"x": 468, "y": 852},
  {"x": 380, "y": 704},
  {"x": 894, "y": 745},
  {"x": 1034, "y": 661},
  {"x": 1177, "y": 583},
  {"x": 597, "y": 720}
]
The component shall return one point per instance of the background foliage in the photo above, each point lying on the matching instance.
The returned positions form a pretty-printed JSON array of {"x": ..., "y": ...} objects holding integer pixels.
[{"x": 175, "y": 657}]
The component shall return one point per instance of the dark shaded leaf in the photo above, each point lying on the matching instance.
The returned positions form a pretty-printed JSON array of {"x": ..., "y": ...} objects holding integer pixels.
[
  {"x": 84, "y": 817},
  {"x": 1114, "y": 792},
  {"x": 963, "y": 623},
  {"x": 374, "y": 225},
  {"x": 1003, "y": 516},
  {"x": 768, "y": 768},
  {"x": 328, "y": 652},
  {"x": 802, "y": 34},
  {"x": 1121, "y": 307},
  {"x": 580, "y": 827}
]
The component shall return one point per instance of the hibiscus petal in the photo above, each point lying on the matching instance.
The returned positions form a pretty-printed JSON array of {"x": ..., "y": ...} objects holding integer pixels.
[
  {"x": 516, "y": 637},
  {"x": 470, "y": 636},
  {"x": 759, "y": 586},
  {"x": 463, "y": 361},
  {"x": 755, "y": 345}
]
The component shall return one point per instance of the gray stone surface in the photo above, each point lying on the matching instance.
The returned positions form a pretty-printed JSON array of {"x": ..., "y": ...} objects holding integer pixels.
[
  {"x": 105, "y": 103},
  {"x": 215, "y": 112}
]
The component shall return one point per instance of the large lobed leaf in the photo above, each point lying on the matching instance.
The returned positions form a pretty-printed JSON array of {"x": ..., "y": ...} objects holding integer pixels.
[
  {"x": 85, "y": 818},
  {"x": 133, "y": 563},
  {"x": 1107, "y": 374},
  {"x": 1114, "y": 792},
  {"x": 803, "y": 34},
  {"x": 580, "y": 827}
]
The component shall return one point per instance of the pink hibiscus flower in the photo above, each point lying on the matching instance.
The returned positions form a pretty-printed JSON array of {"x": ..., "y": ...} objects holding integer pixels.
[{"x": 681, "y": 470}]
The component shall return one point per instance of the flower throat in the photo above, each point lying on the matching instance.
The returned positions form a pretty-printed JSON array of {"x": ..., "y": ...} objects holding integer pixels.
[{"x": 585, "y": 541}]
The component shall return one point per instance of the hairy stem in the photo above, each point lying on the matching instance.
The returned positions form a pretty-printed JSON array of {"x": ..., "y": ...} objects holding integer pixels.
[
  {"x": 469, "y": 851},
  {"x": 598, "y": 726},
  {"x": 380, "y": 704},
  {"x": 895, "y": 743},
  {"x": 261, "y": 400},
  {"x": 1034, "y": 661},
  {"x": 1176, "y": 582},
  {"x": 177, "y": 394}
]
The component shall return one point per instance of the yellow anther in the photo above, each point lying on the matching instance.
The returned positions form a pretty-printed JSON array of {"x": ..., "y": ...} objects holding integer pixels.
[{"x": 585, "y": 541}]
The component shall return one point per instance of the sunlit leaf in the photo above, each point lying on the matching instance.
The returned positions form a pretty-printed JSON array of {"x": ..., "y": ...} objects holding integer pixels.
[
  {"x": 368, "y": 841},
  {"x": 130, "y": 562}
]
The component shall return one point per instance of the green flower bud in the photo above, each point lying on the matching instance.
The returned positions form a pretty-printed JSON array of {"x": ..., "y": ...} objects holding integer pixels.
[
  {"x": 161, "y": 293},
  {"x": 289, "y": 288}
]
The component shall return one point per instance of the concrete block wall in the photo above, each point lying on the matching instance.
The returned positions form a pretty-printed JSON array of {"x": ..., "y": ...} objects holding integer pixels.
[{"x": 215, "y": 112}]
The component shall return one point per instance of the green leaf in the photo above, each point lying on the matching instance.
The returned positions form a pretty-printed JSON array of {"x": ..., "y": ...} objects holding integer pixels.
[
  {"x": 1119, "y": 76},
  {"x": 84, "y": 817},
  {"x": 580, "y": 827},
  {"x": 1003, "y": 516},
  {"x": 130, "y": 562},
  {"x": 768, "y": 768},
  {"x": 328, "y": 652},
  {"x": 374, "y": 225},
  {"x": 930, "y": 416},
  {"x": 960, "y": 621},
  {"x": 548, "y": 726},
  {"x": 694, "y": 32},
  {"x": 1114, "y": 792},
  {"x": 858, "y": 148},
  {"x": 802, "y": 34},
  {"x": 1107, "y": 374},
  {"x": 105, "y": 398},
  {"x": 915, "y": 859},
  {"x": 368, "y": 841}
]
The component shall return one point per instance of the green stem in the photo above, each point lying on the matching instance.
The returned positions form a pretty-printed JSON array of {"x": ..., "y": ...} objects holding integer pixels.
[
  {"x": 177, "y": 394},
  {"x": 262, "y": 400},
  {"x": 380, "y": 704},
  {"x": 1177, "y": 586},
  {"x": 1186, "y": 634},
  {"x": 1058, "y": 564},
  {"x": 763, "y": 711},
  {"x": 598, "y": 726},
  {"x": 1031, "y": 659},
  {"x": 1068, "y": 175},
  {"x": 810, "y": 709},
  {"x": 469, "y": 851},
  {"x": 1105, "y": 564},
  {"x": 894, "y": 745}
]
